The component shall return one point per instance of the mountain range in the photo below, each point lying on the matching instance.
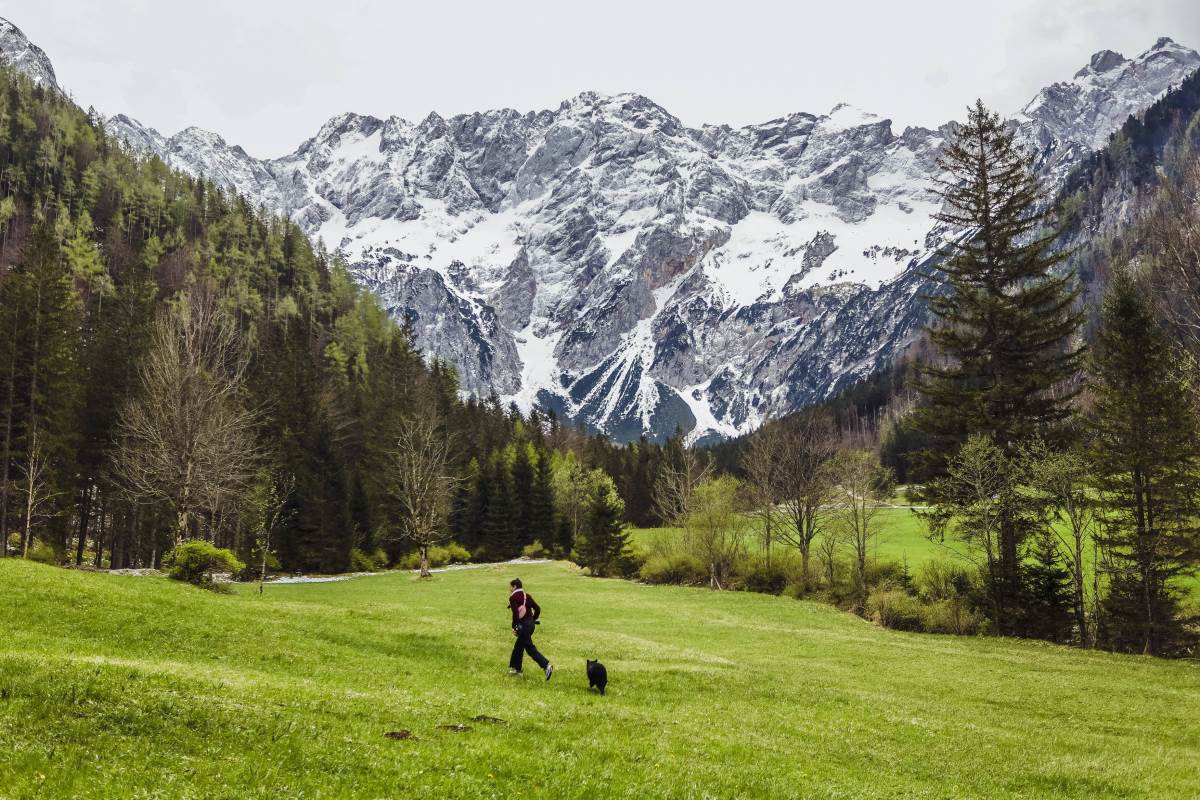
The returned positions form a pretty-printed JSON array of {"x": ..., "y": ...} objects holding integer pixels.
[{"x": 631, "y": 272}]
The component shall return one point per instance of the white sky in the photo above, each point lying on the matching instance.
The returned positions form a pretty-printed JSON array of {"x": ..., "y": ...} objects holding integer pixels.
[{"x": 266, "y": 74}]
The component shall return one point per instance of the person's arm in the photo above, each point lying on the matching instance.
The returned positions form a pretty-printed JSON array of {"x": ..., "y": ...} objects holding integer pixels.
[{"x": 532, "y": 605}]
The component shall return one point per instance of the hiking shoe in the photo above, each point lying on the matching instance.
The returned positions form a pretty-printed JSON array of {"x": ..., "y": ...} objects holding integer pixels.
[{"x": 549, "y": 671}]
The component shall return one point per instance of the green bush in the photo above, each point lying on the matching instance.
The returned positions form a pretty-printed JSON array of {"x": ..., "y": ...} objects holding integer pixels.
[
  {"x": 44, "y": 554},
  {"x": 943, "y": 579},
  {"x": 196, "y": 562},
  {"x": 362, "y": 562},
  {"x": 439, "y": 556},
  {"x": 895, "y": 608},
  {"x": 949, "y": 616},
  {"x": 534, "y": 550},
  {"x": 673, "y": 568},
  {"x": 755, "y": 576},
  {"x": 887, "y": 575}
]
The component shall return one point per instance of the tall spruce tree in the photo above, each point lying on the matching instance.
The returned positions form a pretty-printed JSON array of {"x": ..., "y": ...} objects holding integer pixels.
[
  {"x": 499, "y": 533},
  {"x": 1005, "y": 323},
  {"x": 1146, "y": 462},
  {"x": 522, "y": 489},
  {"x": 541, "y": 517},
  {"x": 604, "y": 539}
]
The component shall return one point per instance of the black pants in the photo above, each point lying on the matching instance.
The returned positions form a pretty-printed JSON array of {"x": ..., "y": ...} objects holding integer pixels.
[{"x": 523, "y": 645}]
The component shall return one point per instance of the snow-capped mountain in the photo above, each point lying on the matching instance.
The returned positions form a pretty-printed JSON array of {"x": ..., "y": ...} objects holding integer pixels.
[
  {"x": 636, "y": 274},
  {"x": 18, "y": 52}
]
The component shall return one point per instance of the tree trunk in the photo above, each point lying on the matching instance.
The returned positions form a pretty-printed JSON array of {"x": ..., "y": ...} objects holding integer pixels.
[
  {"x": 262, "y": 574},
  {"x": 5, "y": 485},
  {"x": 100, "y": 535},
  {"x": 1080, "y": 614},
  {"x": 425, "y": 562},
  {"x": 30, "y": 495},
  {"x": 85, "y": 511},
  {"x": 181, "y": 526}
]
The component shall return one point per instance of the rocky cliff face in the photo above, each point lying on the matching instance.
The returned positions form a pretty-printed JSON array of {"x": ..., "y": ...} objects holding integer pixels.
[
  {"x": 18, "y": 52},
  {"x": 605, "y": 260}
]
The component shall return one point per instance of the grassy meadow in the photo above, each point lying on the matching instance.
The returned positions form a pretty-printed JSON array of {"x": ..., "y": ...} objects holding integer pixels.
[
  {"x": 903, "y": 538},
  {"x": 126, "y": 687}
]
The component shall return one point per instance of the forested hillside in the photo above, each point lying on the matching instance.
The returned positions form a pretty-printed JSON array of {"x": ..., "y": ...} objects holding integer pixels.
[{"x": 178, "y": 364}]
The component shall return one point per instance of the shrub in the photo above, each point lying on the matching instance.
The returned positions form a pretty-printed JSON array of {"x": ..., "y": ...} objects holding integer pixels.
[
  {"x": 673, "y": 568},
  {"x": 949, "y": 616},
  {"x": 195, "y": 562},
  {"x": 943, "y": 579},
  {"x": 14, "y": 542},
  {"x": 534, "y": 550},
  {"x": 454, "y": 553},
  {"x": 361, "y": 562},
  {"x": 756, "y": 576},
  {"x": 44, "y": 554},
  {"x": 887, "y": 575},
  {"x": 894, "y": 608},
  {"x": 439, "y": 556}
]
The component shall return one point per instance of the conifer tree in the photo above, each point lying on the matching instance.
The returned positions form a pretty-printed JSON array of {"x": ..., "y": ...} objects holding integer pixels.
[
  {"x": 1005, "y": 322},
  {"x": 1146, "y": 462},
  {"x": 522, "y": 489},
  {"x": 1048, "y": 601},
  {"x": 542, "y": 522},
  {"x": 499, "y": 533},
  {"x": 604, "y": 541}
]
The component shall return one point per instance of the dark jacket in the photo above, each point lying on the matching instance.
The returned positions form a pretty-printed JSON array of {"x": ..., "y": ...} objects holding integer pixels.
[{"x": 521, "y": 597}]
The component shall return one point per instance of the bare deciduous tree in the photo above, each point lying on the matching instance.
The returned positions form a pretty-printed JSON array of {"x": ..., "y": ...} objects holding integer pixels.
[
  {"x": 1173, "y": 239},
  {"x": 828, "y": 545},
  {"x": 422, "y": 484},
  {"x": 1063, "y": 477},
  {"x": 808, "y": 442},
  {"x": 35, "y": 486},
  {"x": 187, "y": 438},
  {"x": 859, "y": 483},
  {"x": 681, "y": 472},
  {"x": 762, "y": 464}
]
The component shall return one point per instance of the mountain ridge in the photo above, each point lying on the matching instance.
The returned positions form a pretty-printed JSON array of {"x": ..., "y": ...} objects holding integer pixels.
[{"x": 633, "y": 273}]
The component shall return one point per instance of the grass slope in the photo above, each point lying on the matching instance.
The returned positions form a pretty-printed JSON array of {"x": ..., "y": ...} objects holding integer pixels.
[{"x": 139, "y": 687}]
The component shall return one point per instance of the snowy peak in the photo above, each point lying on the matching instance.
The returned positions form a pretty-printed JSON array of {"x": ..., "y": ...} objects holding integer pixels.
[
  {"x": 605, "y": 260},
  {"x": 1103, "y": 61},
  {"x": 18, "y": 52},
  {"x": 1079, "y": 115},
  {"x": 635, "y": 274}
]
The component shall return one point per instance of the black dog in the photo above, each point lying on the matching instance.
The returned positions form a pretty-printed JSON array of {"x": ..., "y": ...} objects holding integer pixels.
[{"x": 597, "y": 675}]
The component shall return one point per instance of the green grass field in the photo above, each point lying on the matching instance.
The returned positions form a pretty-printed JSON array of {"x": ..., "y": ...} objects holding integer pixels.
[
  {"x": 140, "y": 687},
  {"x": 903, "y": 538}
]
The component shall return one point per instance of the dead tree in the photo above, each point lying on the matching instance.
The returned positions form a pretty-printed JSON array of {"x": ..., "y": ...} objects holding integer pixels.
[
  {"x": 35, "y": 486},
  {"x": 808, "y": 442},
  {"x": 762, "y": 465},
  {"x": 681, "y": 472},
  {"x": 187, "y": 437},
  {"x": 422, "y": 484}
]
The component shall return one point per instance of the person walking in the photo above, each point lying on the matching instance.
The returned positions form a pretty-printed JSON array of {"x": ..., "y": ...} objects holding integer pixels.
[{"x": 525, "y": 613}]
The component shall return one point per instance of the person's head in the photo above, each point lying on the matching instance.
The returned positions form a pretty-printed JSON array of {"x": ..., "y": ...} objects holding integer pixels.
[{"x": 515, "y": 584}]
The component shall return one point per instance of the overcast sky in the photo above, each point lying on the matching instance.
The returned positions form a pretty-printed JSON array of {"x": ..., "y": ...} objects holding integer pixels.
[{"x": 266, "y": 74}]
